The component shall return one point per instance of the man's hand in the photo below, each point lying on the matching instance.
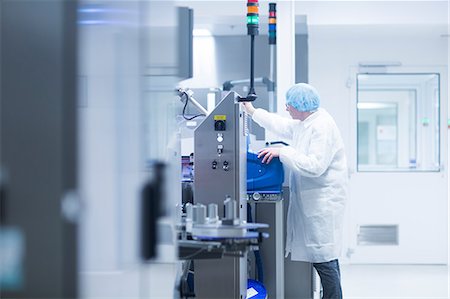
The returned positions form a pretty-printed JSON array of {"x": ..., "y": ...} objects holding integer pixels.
[
  {"x": 268, "y": 154},
  {"x": 249, "y": 107}
]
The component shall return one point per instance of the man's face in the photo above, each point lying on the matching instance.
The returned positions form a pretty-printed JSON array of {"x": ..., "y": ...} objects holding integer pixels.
[{"x": 295, "y": 114}]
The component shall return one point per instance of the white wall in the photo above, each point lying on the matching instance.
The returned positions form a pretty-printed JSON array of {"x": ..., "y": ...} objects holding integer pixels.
[{"x": 333, "y": 50}]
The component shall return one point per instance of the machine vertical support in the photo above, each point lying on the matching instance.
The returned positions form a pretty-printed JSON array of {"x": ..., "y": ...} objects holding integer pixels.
[
  {"x": 219, "y": 174},
  {"x": 279, "y": 249},
  {"x": 272, "y": 47}
]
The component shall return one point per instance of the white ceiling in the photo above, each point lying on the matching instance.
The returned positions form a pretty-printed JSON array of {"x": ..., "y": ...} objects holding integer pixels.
[
  {"x": 374, "y": 12},
  {"x": 382, "y": 17}
]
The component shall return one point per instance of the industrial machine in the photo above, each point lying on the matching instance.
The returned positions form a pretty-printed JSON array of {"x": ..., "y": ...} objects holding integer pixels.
[
  {"x": 220, "y": 159},
  {"x": 220, "y": 188}
]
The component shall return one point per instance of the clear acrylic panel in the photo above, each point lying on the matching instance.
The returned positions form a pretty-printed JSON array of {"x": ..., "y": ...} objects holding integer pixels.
[{"x": 398, "y": 122}]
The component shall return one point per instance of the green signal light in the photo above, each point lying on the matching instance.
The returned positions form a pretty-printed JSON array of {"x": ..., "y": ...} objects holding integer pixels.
[{"x": 254, "y": 20}]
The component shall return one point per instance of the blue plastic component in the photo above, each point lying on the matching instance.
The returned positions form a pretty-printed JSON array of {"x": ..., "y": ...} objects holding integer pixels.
[
  {"x": 264, "y": 178},
  {"x": 258, "y": 287}
]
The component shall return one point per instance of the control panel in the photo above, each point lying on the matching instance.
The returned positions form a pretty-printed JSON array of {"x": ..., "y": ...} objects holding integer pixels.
[
  {"x": 257, "y": 196},
  {"x": 220, "y": 122},
  {"x": 220, "y": 163},
  {"x": 220, "y": 148}
]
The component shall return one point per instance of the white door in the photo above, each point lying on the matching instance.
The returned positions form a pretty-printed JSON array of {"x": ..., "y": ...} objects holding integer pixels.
[{"x": 398, "y": 167}]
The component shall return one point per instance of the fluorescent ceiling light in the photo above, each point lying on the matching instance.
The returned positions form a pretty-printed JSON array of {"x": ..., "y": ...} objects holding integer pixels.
[
  {"x": 201, "y": 32},
  {"x": 374, "y": 105},
  {"x": 379, "y": 63}
]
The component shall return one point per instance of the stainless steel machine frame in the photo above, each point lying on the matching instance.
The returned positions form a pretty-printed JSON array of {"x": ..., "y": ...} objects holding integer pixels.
[{"x": 220, "y": 170}]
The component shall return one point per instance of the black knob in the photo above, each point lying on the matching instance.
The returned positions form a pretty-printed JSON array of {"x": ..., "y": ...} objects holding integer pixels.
[{"x": 225, "y": 167}]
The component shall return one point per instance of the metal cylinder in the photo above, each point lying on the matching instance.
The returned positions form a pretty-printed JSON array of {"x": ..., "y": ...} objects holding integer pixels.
[
  {"x": 213, "y": 212},
  {"x": 230, "y": 208},
  {"x": 189, "y": 212},
  {"x": 200, "y": 214}
]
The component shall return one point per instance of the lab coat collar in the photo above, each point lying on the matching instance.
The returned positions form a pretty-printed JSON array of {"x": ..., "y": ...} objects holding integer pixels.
[{"x": 310, "y": 119}]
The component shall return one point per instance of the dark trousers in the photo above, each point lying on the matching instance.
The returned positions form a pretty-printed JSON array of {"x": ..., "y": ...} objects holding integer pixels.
[{"x": 330, "y": 277}]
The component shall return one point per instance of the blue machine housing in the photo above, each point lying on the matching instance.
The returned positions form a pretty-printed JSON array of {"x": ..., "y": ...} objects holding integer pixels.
[{"x": 264, "y": 178}]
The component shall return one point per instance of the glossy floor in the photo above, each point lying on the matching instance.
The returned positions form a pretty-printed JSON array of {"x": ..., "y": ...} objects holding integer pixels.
[{"x": 395, "y": 281}]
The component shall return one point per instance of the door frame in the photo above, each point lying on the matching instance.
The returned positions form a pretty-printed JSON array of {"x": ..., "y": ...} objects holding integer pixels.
[{"x": 350, "y": 241}]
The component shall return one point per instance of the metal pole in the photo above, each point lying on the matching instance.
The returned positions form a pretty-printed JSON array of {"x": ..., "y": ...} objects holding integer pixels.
[
  {"x": 272, "y": 45},
  {"x": 271, "y": 92},
  {"x": 252, "y": 65}
]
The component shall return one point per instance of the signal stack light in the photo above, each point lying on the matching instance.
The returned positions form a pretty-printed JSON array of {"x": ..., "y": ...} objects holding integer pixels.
[
  {"x": 252, "y": 30},
  {"x": 252, "y": 17},
  {"x": 272, "y": 23}
]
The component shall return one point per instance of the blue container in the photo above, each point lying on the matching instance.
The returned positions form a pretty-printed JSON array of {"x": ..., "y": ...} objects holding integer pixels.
[
  {"x": 256, "y": 290},
  {"x": 264, "y": 178}
]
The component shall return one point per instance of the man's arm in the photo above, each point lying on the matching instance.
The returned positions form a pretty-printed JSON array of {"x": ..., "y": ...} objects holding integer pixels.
[
  {"x": 271, "y": 121},
  {"x": 316, "y": 161}
]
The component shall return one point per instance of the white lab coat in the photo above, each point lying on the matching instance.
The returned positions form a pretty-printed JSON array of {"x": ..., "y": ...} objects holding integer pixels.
[{"x": 318, "y": 183}]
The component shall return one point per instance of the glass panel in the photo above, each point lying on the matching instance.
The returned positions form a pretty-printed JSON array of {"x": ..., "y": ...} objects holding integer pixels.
[{"x": 398, "y": 122}]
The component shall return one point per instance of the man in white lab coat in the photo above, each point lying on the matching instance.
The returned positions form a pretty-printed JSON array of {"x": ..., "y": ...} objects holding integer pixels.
[{"x": 318, "y": 181}]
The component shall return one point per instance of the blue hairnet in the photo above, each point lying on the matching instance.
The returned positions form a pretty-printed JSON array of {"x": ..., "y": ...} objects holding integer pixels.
[{"x": 303, "y": 97}]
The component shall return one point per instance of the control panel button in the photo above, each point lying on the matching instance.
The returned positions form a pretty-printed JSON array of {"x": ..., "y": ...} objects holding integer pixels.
[
  {"x": 226, "y": 166},
  {"x": 256, "y": 196},
  {"x": 220, "y": 125},
  {"x": 219, "y": 149}
]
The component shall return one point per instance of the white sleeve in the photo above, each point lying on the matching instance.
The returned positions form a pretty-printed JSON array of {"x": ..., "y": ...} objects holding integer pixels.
[
  {"x": 274, "y": 123},
  {"x": 316, "y": 161}
]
